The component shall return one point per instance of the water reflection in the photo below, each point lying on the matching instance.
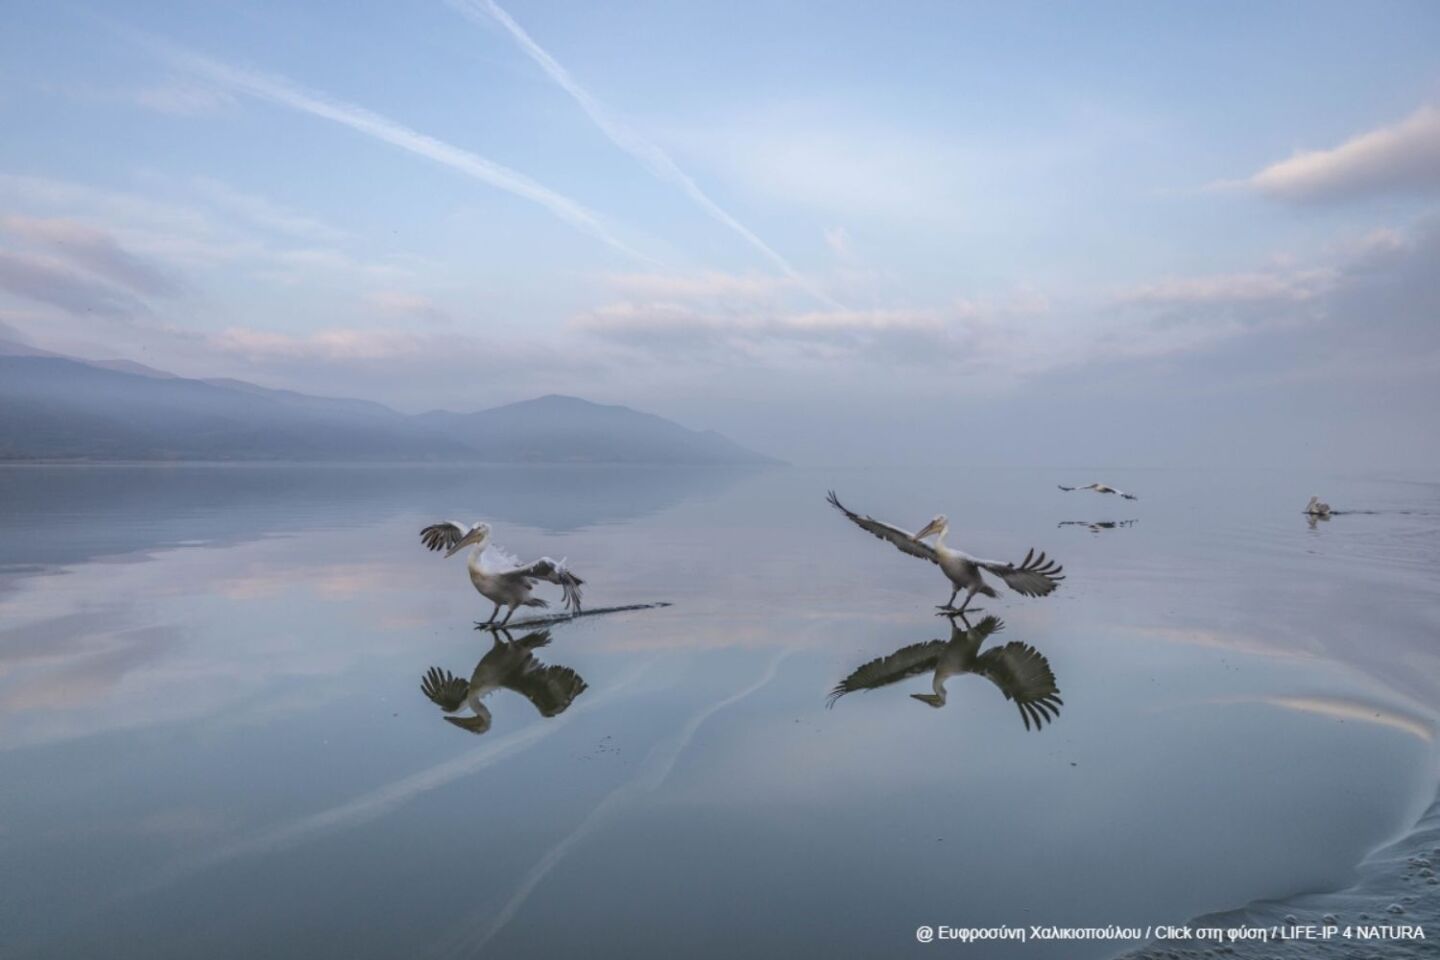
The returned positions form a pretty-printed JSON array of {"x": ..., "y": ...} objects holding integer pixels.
[
  {"x": 57, "y": 515},
  {"x": 510, "y": 665},
  {"x": 1017, "y": 669},
  {"x": 1095, "y": 526}
]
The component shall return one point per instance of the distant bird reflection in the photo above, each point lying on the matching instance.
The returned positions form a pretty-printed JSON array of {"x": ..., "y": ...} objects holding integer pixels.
[
  {"x": 1099, "y": 488},
  {"x": 1020, "y": 671},
  {"x": 1096, "y": 526},
  {"x": 511, "y": 665}
]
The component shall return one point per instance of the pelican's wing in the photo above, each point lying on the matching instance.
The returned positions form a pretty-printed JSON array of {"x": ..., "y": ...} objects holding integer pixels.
[
  {"x": 986, "y": 628},
  {"x": 444, "y": 689},
  {"x": 550, "y": 689},
  {"x": 883, "y": 671},
  {"x": 1032, "y": 577},
  {"x": 1127, "y": 496},
  {"x": 1065, "y": 488},
  {"x": 444, "y": 535},
  {"x": 884, "y": 531},
  {"x": 1023, "y": 674},
  {"x": 534, "y": 639},
  {"x": 553, "y": 571}
]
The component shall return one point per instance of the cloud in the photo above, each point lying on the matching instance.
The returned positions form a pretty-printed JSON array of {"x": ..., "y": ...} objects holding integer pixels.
[
  {"x": 51, "y": 281},
  {"x": 684, "y": 330},
  {"x": 706, "y": 285},
  {"x": 1367, "y": 312},
  {"x": 281, "y": 91},
  {"x": 190, "y": 236},
  {"x": 1234, "y": 288},
  {"x": 838, "y": 240},
  {"x": 267, "y": 214},
  {"x": 95, "y": 251},
  {"x": 416, "y": 306},
  {"x": 838, "y": 165},
  {"x": 444, "y": 362},
  {"x": 336, "y": 344},
  {"x": 1401, "y": 157},
  {"x": 656, "y": 160}
]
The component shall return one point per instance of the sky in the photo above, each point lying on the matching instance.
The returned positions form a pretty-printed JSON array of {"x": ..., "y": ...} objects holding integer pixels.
[{"x": 1124, "y": 234}]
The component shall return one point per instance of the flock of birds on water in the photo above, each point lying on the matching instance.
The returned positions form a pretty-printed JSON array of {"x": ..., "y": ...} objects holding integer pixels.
[{"x": 1020, "y": 672}]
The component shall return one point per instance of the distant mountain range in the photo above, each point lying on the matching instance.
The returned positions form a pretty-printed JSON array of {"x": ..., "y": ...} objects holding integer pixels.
[{"x": 60, "y": 408}]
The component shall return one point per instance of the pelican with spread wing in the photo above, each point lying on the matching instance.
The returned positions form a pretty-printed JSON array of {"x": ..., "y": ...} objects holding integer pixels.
[
  {"x": 1099, "y": 488},
  {"x": 1032, "y": 577},
  {"x": 510, "y": 665},
  {"x": 499, "y": 577},
  {"x": 1017, "y": 669}
]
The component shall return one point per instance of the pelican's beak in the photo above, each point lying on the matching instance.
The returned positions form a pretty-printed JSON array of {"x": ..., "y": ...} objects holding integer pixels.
[
  {"x": 930, "y": 528},
  {"x": 479, "y": 723},
  {"x": 930, "y": 699},
  {"x": 474, "y": 536}
]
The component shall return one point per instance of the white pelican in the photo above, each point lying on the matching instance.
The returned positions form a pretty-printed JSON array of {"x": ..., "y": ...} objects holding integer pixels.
[
  {"x": 1032, "y": 577},
  {"x": 1020, "y": 671},
  {"x": 1317, "y": 509},
  {"x": 1099, "y": 488},
  {"x": 506, "y": 583},
  {"x": 510, "y": 665}
]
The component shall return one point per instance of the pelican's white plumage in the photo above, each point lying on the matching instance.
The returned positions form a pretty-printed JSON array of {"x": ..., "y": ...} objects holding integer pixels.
[
  {"x": 1032, "y": 577},
  {"x": 1317, "y": 509},
  {"x": 499, "y": 577},
  {"x": 1099, "y": 488}
]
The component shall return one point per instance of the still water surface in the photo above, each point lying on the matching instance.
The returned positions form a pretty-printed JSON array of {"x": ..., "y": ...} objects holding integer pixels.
[{"x": 213, "y": 738}]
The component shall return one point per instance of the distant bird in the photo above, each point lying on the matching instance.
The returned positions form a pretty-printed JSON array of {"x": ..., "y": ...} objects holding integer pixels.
[
  {"x": 510, "y": 665},
  {"x": 1032, "y": 577},
  {"x": 1099, "y": 488},
  {"x": 1020, "y": 671},
  {"x": 499, "y": 577},
  {"x": 1317, "y": 509}
]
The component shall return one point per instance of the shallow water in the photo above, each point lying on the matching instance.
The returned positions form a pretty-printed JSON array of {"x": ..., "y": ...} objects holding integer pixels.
[{"x": 212, "y": 735}]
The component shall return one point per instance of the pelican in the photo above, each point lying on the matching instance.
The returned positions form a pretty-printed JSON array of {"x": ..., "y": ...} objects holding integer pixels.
[
  {"x": 510, "y": 665},
  {"x": 1099, "y": 488},
  {"x": 1018, "y": 670},
  {"x": 505, "y": 583},
  {"x": 1032, "y": 577},
  {"x": 1317, "y": 509}
]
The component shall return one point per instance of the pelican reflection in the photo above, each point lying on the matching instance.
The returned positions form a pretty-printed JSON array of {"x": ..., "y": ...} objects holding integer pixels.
[
  {"x": 511, "y": 665},
  {"x": 1095, "y": 526},
  {"x": 1020, "y": 671}
]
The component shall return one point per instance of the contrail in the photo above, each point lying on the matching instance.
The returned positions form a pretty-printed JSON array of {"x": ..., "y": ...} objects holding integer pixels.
[
  {"x": 649, "y": 154},
  {"x": 281, "y": 91},
  {"x": 653, "y": 772}
]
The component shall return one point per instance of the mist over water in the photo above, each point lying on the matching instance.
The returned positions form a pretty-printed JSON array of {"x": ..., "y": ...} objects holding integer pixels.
[{"x": 213, "y": 736}]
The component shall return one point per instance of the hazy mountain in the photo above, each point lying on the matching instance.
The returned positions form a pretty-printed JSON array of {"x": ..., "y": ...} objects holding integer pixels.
[
  {"x": 554, "y": 429},
  {"x": 57, "y": 408}
]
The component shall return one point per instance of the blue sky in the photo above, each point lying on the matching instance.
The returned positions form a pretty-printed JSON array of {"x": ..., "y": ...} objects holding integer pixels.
[{"x": 1140, "y": 233}]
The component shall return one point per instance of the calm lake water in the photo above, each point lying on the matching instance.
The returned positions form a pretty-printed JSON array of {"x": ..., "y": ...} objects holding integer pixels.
[{"x": 213, "y": 740}]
